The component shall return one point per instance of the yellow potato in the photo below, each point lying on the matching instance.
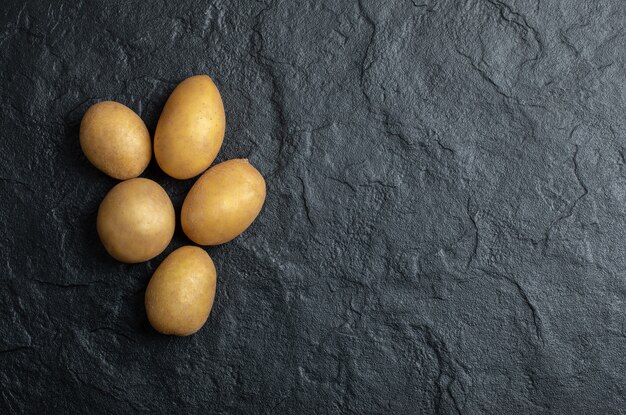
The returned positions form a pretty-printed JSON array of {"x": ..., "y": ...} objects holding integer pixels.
[
  {"x": 223, "y": 202},
  {"x": 115, "y": 140},
  {"x": 191, "y": 128},
  {"x": 136, "y": 220},
  {"x": 180, "y": 294}
]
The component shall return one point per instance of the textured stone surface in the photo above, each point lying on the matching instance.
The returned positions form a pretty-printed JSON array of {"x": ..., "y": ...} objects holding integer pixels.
[{"x": 445, "y": 228}]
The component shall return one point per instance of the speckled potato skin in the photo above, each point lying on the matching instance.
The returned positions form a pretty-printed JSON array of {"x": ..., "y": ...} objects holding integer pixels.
[
  {"x": 191, "y": 128},
  {"x": 136, "y": 220},
  {"x": 223, "y": 202},
  {"x": 181, "y": 291},
  {"x": 115, "y": 140}
]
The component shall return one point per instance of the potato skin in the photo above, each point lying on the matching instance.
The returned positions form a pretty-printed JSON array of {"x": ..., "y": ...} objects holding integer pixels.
[
  {"x": 180, "y": 294},
  {"x": 136, "y": 220},
  {"x": 223, "y": 202},
  {"x": 115, "y": 140},
  {"x": 191, "y": 128}
]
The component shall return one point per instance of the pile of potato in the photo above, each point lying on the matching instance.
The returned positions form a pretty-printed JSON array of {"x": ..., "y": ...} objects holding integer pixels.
[{"x": 136, "y": 219}]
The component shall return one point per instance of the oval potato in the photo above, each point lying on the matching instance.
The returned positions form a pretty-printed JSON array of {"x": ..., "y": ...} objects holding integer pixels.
[
  {"x": 191, "y": 128},
  {"x": 136, "y": 220},
  {"x": 223, "y": 202},
  {"x": 115, "y": 140},
  {"x": 181, "y": 291}
]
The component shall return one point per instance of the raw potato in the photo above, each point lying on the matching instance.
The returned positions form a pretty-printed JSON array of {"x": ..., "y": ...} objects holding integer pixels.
[
  {"x": 115, "y": 140},
  {"x": 180, "y": 294},
  {"x": 191, "y": 128},
  {"x": 223, "y": 202},
  {"x": 136, "y": 220}
]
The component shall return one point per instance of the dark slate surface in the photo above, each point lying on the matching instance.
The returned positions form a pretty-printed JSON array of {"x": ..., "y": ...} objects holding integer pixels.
[{"x": 445, "y": 227}]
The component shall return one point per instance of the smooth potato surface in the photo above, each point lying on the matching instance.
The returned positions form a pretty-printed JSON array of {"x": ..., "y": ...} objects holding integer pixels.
[
  {"x": 191, "y": 128},
  {"x": 223, "y": 202},
  {"x": 115, "y": 140},
  {"x": 136, "y": 220},
  {"x": 181, "y": 291}
]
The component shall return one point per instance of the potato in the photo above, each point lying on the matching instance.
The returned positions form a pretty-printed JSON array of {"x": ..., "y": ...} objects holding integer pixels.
[
  {"x": 136, "y": 220},
  {"x": 180, "y": 294},
  {"x": 191, "y": 127},
  {"x": 115, "y": 140},
  {"x": 223, "y": 202}
]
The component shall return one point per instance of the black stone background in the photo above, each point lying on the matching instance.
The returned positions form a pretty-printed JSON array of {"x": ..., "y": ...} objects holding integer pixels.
[{"x": 445, "y": 226}]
